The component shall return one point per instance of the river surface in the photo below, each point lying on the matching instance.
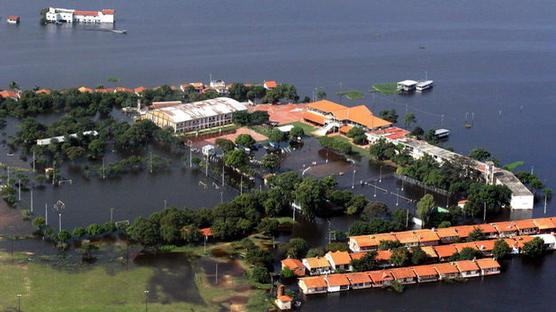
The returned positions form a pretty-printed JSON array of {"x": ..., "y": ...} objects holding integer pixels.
[{"x": 490, "y": 60}]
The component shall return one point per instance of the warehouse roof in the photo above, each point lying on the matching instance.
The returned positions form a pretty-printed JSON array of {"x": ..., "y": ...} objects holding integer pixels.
[{"x": 202, "y": 109}]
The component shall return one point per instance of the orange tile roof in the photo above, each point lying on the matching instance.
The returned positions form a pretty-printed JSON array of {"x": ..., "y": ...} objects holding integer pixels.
[
  {"x": 340, "y": 257},
  {"x": 446, "y": 268},
  {"x": 380, "y": 276},
  {"x": 445, "y": 251},
  {"x": 461, "y": 246},
  {"x": 139, "y": 89},
  {"x": 314, "y": 282},
  {"x": 122, "y": 89},
  {"x": 271, "y": 84},
  {"x": 525, "y": 224},
  {"x": 407, "y": 237},
  {"x": 487, "y": 263},
  {"x": 521, "y": 240},
  {"x": 429, "y": 250},
  {"x": 312, "y": 117},
  {"x": 284, "y": 298},
  {"x": 292, "y": 264},
  {"x": 383, "y": 255},
  {"x": 426, "y": 236},
  {"x": 384, "y": 237},
  {"x": 104, "y": 90},
  {"x": 206, "y": 232},
  {"x": 9, "y": 94},
  {"x": 400, "y": 273},
  {"x": 446, "y": 232},
  {"x": 43, "y": 91},
  {"x": 326, "y": 106},
  {"x": 84, "y": 89},
  {"x": 424, "y": 270},
  {"x": 544, "y": 223},
  {"x": 317, "y": 262},
  {"x": 464, "y": 230},
  {"x": 466, "y": 265},
  {"x": 85, "y": 13},
  {"x": 337, "y": 280},
  {"x": 485, "y": 245},
  {"x": 362, "y": 115},
  {"x": 511, "y": 242},
  {"x": 486, "y": 228},
  {"x": 345, "y": 129},
  {"x": 108, "y": 11},
  {"x": 357, "y": 255},
  {"x": 508, "y": 226},
  {"x": 358, "y": 278}
]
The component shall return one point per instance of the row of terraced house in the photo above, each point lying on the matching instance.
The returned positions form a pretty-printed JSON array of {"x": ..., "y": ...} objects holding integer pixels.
[
  {"x": 404, "y": 276},
  {"x": 432, "y": 237}
]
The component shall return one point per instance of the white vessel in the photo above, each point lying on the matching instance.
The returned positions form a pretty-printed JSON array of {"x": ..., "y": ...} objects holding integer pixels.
[
  {"x": 424, "y": 85},
  {"x": 441, "y": 133}
]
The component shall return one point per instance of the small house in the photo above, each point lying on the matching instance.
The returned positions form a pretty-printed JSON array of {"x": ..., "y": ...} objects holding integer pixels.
[
  {"x": 317, "y": 266},
  {"x": 426, "y": 273},
  {"x": 294, "y": 265},
  {"x": 337, "y": 282},
  {"x": 446, "y": 270},
  {"x": 284, "y": 302},
  {"x": 447, "y": 235},
  {"x": 506, "y": 229},
  {"x": 488, "y": 266},
  {"x": 444, "y": 252},
  {"x": 382, "y": 278},
  {"x": 488, "y": 230},
  {"x": 545, "y": 225},
  {"x": 526, "y": 227},
  {"x": 339, "y": 260},
  {"x": 404, "y": 275},
  {"x": 359, "y": 280},
  {"x": 312, "y": 285},
  {"x": 486, "y": 246},
  {"x": 468, "y": 268}
]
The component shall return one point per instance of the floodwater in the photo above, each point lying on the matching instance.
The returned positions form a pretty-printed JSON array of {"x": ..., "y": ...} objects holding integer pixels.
[{"x": 493, "y": 63}]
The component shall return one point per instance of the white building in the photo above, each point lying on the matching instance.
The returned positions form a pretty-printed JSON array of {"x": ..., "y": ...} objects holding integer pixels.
[
  {"x": 196, "y": 116},
  {"x": 58, "y": 15}
]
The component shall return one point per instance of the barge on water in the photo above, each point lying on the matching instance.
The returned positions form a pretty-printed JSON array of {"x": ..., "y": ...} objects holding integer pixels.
[{"x": 424, "y": 85}]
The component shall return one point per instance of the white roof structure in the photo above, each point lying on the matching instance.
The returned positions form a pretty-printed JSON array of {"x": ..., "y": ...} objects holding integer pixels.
[
  {"x": 202, "y": 109},
  {"x": 285, "y": 128},
  {"x": 407, "y": 83},
  {"x": 61, "y": 138}
]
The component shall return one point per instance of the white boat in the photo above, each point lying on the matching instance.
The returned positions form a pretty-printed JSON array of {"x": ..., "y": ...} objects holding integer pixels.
[
  {"x": 441, "y": 133},
  {"x": 13, "y": 20},
  {"x": 424, "y": 85}
]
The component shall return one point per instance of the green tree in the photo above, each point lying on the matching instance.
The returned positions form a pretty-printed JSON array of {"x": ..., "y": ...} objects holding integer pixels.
[
  {"x": 375, "y": 210},
  {"x": 534, "y": 248},
  {"x": 389, "y": 115},
  {"x": 297, "y": 132},
  {"x": 418, "y": 256},
  {"x": 400, "y": 256},
  {"x": 225, "y": 144},
  {"x": 501, "y": 249},
  {"x": 356, "y": 204},
  {"x": 276, "y": 135},
  {"x": 475, "y": 235},
  {"x": 297, "y": 248},
  {"x": 145, "y": 231},
  {"x": 409, "y": 119},
  {"x": 286, "y": 273},
  {"x": 96, "y": 148},
  {"x": 480, "y": 154},
  {"x": 315, "y": 252},
  {"x": 63, "y": 236},
  {"x": 271, "y": 161},
  {"x": 321, "y": 94},
  {"x": 365, "y": 263},
  {"x": 309, "y": 195},
  {"x": 469, "y": 253},
  {"x": 425, "y": 207},
  {"x": 259, "y": 274},
  {"x": 245, "y": 140},
  {"x": 241, "y": 118},
  {"x": 268, "y": 226},
  {"x": 236, "y": 159}
]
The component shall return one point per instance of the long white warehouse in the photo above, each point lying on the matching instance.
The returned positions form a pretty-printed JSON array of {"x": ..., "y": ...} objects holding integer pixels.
[
  {"x": 58, "y": 15},
  {"x": 186, "y": 117}
]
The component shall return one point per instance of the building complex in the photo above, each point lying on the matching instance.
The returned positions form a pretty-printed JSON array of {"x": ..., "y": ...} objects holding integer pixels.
[
  {"x": 187, "y": 117},
  {"x": 58, "y": 15}
]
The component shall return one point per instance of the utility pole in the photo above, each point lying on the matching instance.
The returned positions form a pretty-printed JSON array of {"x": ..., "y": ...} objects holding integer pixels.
[
  {"x": 402, "y": 184},
  {"x": 223, "y": 176},
  {"x": 146, "y": 292},
  {"x": 545, "y": 203},
  {"x": 59, "y": 206},
  {"x": 33, "y": 161},
  {"x": 207, "y": 167},
  {"x": 216, "y": 274},
  {"x": 53, "y": 171},
  {"x": 165, "y": 203},
  {"x": 151, "y": 161},
  {"x": 31, "y": 203},
  {"x": 8, "y": 176},
  {"x": 380, "y": 175},
  {"x": 407, "y": 218},
  {"x": 375, "y": 190},
  {"x": 19, "y": 189},
  {"x": 484, "y": 211},
  {"x": 397, "y": 198},
  {"x": 353, "y": 179},
  {"x": 46, "y": 214},
  {"x": 103, "y": 172},
  {"x": 241, "y": 184},
  {"x": 18, "y": 302}
]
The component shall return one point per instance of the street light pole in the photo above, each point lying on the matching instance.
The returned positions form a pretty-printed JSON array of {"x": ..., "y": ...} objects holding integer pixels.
[
  {"x": 353, "y": 179},
  {"x": 146, "y": 292},
  {"x": 380, "y": 175},
  {"x": 18, "y": 302}
]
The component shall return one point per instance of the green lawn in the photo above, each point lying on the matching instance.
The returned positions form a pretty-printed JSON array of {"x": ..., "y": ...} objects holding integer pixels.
[
  {"x": 359, "y": 150},
  {"x": 110, "y": 287},
  {"x": 308, "y": 129},
  {"x": 352, "y": 94},
  {"x": 385, "y": 88}
]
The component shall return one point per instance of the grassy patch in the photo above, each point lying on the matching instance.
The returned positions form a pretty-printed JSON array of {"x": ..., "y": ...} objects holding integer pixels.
[
  {"x": 514, "y": 165},
  {"x": 50, "y": 283},
  {"x": 352, "y": 94},
  {"x": 308, "y": 129},
  {"x": 264, "y": 130},
  {"x": 358, "y": 150},
  {"x": 385, "y": 88}
]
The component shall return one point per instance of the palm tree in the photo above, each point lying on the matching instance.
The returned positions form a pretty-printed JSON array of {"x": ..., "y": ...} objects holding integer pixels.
[{"x": 409, "y": 119}]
